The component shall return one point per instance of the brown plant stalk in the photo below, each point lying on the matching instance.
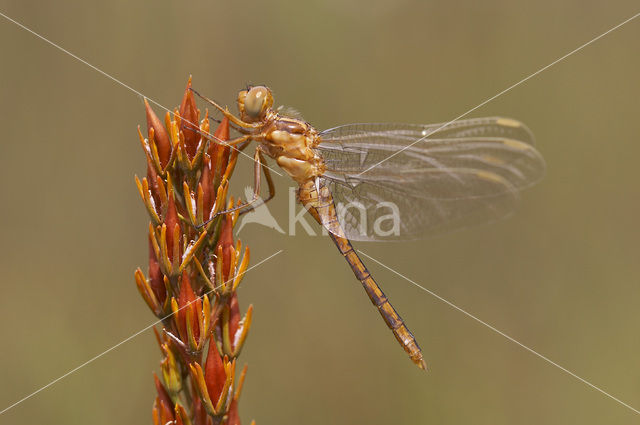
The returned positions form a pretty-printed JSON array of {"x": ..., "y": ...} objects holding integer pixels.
[{"x": 194, "y": 269}]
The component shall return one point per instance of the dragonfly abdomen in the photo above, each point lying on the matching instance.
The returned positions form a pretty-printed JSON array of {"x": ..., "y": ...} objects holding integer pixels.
[
  {"x": 380, "y": 300},
  {"x": 322, "y": 208}
]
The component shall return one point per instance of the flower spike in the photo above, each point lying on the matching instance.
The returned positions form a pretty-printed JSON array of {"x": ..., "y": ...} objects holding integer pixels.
[{"x": 194, "y": 270}]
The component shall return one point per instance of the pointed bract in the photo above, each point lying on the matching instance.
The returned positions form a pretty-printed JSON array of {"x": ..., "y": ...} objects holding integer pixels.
[
  {"x": 218, "y": 152},
  {"x": 159, "y": 135},
  {"x": 227, "y": 245},
  {"x": 190, "y": 119},
  {"x": 233, "y": 418},
  {"x": 214, "y": 373},
  {"x": 156, "y": 278},
  {"x": 187, "y": 306},
  {"x": 173, "y": 228},
  {"x": 162, "y": 393},
  {"x": 206, "y": 185}
]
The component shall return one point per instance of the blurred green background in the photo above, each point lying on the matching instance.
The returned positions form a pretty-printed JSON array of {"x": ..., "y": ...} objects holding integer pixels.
[{"x": 562, "y": 276}]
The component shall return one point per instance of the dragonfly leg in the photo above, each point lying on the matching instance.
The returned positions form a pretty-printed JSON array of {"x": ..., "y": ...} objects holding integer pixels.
[
  {"x": 233, "y": 126},
  {"x": 260, "y": 165},
  {"x": 237, "y": 140},
  {"x": 242, "y": 146},
  {"x": 225, "y": 111},
  {"x": 267, "y": 176},
  {"x": 214, "y": 139}
]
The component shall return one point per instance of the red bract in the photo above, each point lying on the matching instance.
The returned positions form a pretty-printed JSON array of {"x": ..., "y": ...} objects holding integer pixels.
[
  {"x": 206, "y": 186},
  {"x": 173, "y": 228},
  {"x": 234, "y": 315},
  {"x": 234, "y": 417},
  {"x": 158, "y": 134},
  {"x": 226, "y": 244},
  {"x": 200, "y": 416},
  {"x": 156, "y": 278},
  {"x": 214, "y": 374},
  {"x": 190, "y": 118},
  {"x": 162, "y": 393},
  {"x": 218, "y": 152},
  {"x": 188, "y": 305},
  {"x": 163, "y": 406},
  {"x": 152, "y": 179}
]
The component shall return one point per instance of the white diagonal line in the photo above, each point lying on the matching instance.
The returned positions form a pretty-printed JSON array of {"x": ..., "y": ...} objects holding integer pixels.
[
  {"x": 532, "y": 351},
  {"x": 577, "y": 49},
  {"x": 129, "y": 338},
  {"x": 128, "y": 87}
]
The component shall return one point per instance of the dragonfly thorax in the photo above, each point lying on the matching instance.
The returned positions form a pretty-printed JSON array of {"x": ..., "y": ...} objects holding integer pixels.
[{"x": 291, "y": 143}]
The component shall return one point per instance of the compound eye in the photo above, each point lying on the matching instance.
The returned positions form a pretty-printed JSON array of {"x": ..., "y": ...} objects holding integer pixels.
[{"x": 255, "y": 101}]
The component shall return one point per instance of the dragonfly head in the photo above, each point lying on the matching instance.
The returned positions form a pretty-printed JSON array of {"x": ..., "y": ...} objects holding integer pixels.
[{"x": 254, "y": 103}]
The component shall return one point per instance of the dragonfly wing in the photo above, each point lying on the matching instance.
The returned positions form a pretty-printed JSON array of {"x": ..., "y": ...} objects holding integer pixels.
[
  {"x": 451, "y": 179},
  {"x": 290, "y": 112},
  {"x": 499, "y": 145},
  {"x": 474, "y": 127},
  {"x": 387, "y": 210}
]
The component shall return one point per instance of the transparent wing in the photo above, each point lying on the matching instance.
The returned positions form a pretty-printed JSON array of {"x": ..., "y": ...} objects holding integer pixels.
[
  {"x": 290, "y": 112},
  {"x": 456, "y": 176},
  {"x": 474, "y": 127}
]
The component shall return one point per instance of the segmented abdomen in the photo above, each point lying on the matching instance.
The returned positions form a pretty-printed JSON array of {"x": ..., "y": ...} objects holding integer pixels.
[{"x": 322, "y": 208}]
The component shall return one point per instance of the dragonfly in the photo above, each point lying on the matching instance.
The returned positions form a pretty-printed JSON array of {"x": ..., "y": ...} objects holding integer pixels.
[{"x": 383, "y": 181}]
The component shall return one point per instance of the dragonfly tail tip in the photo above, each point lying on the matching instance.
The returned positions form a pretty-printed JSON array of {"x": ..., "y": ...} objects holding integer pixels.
[{"x": 421, "y": 364}]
